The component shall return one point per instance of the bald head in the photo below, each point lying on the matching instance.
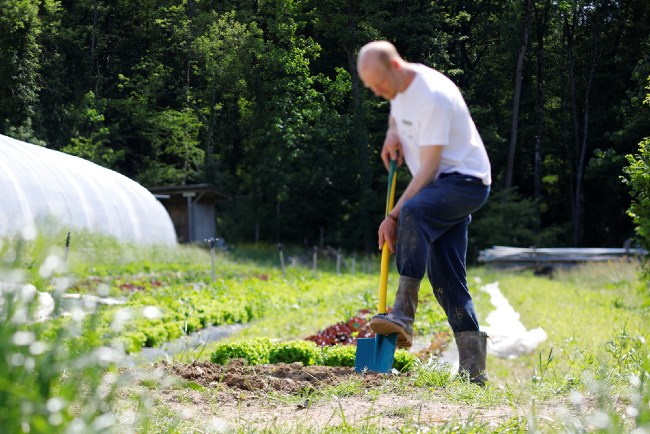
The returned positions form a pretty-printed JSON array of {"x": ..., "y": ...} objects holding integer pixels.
[
  {"x": 382, "y": 70},
  {"x": 377, "y": 53}
]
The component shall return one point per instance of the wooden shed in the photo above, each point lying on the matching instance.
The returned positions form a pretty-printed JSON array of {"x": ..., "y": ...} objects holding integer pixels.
[{"x": 191, "y": 208}]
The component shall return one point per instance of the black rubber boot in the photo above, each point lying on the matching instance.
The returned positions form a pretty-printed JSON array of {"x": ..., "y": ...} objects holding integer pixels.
[
  {"x": 400, "y": 319},
  {"x": 472, "y": 355}
]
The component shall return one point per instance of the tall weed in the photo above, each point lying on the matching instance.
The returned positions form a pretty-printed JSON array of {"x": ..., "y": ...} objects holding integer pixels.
[{"x": 61, "y": 384}]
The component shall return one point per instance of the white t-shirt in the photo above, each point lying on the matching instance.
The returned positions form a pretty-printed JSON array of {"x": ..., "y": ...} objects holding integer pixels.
[{"x": 432, "y": 111}]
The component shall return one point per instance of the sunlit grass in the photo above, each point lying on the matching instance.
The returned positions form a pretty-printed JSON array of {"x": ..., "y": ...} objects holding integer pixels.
[
  {"x": 579, "y": 315},
  {"x": 595, "y": 316}
]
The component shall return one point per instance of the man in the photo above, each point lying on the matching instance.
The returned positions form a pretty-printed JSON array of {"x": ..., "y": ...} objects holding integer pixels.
[{"x": 431, "y": 129}]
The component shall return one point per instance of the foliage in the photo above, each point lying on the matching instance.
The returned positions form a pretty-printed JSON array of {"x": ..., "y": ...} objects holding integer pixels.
[
  {"x": 509, "y": 219},
  {"x": 261, "y": 351},
  {"x": 432, "y": 374},
  {"x": 596, "y": 318},
  {"x": 262, "y": 100},
  {"x": 171, "y": 294},
  {"x": 338, "y": 355},
  {"x": 95, "y": 146},
  {"x": 47, "y": 377},
  {"x": 638, "y": 178},
  {"x": 255, "y": 351},
  {"x": 304, "y": 352},
  {"x": 20, "y": 29},
  {"x": 179, "y": 310},
  {"x": 51, "y": 383},
  {"x": 404, "y": 360}
]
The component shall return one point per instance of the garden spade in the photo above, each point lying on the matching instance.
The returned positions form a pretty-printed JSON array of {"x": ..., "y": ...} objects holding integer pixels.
[{"x": 377, "y": 354}]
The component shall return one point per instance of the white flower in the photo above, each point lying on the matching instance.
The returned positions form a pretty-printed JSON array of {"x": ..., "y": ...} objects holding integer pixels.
[
  {"x": 121, "y": 317},
  {"x": 56, "y": 404},
  {"x": 106, "y": 355},
  {"x": 104, "y": 422},
  {"x": 27, "y": 293},
  {"x": 38, "y": 347},
  {"x": 51, "y": 263},
  {"x": 600, "y": 419},
  {"x": 23, "y": 338},
  {"x": 632, "y": 411}
]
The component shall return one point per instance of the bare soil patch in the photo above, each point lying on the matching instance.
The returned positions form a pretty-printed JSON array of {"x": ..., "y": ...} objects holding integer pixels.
[
  {"x": 287, "y": 378},
  {"x": 278, "y": 398}
]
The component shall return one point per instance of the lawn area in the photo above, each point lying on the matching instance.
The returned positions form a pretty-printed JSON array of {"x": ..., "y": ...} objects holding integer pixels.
[{"x": 78, "y": 371}]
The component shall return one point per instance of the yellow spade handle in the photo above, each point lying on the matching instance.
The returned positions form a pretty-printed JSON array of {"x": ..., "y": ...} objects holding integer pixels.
[{"x": 385, "y": 254}]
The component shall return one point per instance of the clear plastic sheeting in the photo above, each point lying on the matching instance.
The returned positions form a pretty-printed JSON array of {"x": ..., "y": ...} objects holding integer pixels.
[{"x": 37, "y": 184}]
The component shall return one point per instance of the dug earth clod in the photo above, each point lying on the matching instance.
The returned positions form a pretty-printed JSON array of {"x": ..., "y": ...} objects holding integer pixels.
[{"x": 288, "y": 378}]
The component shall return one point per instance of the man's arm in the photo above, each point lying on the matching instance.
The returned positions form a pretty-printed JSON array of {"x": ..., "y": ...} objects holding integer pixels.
[
  {"x": 429, "y": 163},
  {"x": 392, "y": 149}
]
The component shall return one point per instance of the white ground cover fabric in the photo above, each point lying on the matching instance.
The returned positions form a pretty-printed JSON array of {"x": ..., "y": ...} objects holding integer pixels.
[
  {"x": 39, "y": 184},
  {"x": 508, "y": 336}
]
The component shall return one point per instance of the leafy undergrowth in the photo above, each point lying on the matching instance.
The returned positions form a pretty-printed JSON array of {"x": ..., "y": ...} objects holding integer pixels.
[
  {"x": 161, "y": 312},
  {"x": 160, "y": 306},
  {"x": 591, "y": 375}
]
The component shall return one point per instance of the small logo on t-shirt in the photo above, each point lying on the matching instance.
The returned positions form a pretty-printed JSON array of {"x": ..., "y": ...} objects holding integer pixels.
[{"x": 407, "y": 122}]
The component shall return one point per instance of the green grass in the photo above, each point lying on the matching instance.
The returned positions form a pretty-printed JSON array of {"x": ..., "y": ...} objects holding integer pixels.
[
  {"x": 595, "y": 316},
  {"x": 585, "y": 312}
]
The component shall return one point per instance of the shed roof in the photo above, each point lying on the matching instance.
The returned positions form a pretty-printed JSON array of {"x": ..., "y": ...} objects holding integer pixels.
[{"x": 205, "y": 191}]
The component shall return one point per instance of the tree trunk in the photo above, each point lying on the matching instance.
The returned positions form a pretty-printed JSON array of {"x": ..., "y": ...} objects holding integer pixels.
[
  {"x": 570, "y": 29},
  {"x": 93, "y": 55},
  {"x": 360, "y": 137},
  {"x": 190, "y": 16},
  {"x": 542, "y": 29},
  {"x": 578, "y": 214},
  {"x": 359, "y": 132},
  {"x": 517, "y": 95},
  {"x": 278, "y": 218},
  {"x": 211, "y": 127}
]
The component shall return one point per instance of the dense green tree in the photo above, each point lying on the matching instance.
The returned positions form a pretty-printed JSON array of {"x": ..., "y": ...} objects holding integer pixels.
[
  {"x": 638, "y": 179},
  {"x": 91, "y": 141},
  {"x": 262, "y": 99},
  {"x": 638, "y": 173},
  {"x": 20, "y": 51},
  {"x": 341, "y": 27}
]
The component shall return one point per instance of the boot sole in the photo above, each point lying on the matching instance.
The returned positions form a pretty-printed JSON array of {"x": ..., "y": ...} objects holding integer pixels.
[{"x": 385, "y": 327}]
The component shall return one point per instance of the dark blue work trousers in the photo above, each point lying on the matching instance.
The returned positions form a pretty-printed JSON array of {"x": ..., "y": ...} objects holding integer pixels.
[{"x": 432, "y": 235}]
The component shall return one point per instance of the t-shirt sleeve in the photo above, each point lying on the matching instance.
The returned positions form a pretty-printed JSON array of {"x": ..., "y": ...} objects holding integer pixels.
[{"x": 435, "y": 122}]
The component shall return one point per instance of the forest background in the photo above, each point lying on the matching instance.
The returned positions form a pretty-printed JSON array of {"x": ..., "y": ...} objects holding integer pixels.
[{"x": 262, "y": 100}]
